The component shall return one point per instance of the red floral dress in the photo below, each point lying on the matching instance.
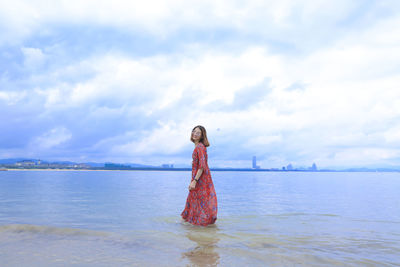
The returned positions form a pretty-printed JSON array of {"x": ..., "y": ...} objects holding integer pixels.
[{"x": 201, "y": 204}]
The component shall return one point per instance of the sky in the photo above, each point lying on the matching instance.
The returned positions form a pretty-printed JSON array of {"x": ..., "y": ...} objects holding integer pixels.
[{"x": 126, "y": 81}]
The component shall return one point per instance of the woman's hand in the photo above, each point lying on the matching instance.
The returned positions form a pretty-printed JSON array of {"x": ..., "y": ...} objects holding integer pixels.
[{"x": 192, "y": 184}]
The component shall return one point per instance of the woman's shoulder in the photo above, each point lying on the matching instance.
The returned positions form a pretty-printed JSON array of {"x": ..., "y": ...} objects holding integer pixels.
[{"x": 201, "y": 146}]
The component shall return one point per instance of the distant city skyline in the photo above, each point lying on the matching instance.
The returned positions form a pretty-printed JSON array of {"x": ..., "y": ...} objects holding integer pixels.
[
  {"x": 288, "y": 82},
  {"x": 45, "y": 164}
]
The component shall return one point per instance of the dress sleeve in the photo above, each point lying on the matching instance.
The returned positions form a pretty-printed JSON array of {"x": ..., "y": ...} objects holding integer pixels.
[{"x": 202, "y": 157}]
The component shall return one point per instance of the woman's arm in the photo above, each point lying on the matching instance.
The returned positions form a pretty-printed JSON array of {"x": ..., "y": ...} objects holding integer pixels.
[
  {"x": 202, "y": 164},
  {"x": 198, "y": 174},
  {"x": 195, "y": 179}
]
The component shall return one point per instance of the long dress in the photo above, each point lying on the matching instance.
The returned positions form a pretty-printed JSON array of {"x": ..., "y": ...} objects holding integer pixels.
[{"x": 201, "y": 204}]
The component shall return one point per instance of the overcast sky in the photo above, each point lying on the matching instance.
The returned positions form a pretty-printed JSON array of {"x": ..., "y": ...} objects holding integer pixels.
[{"x": 126, "y": 81}]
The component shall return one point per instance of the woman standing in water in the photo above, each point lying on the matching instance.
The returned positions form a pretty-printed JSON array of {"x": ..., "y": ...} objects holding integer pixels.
[{"x": 201, "y": 204}]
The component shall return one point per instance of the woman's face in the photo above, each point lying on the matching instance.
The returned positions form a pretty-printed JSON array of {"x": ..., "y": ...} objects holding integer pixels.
[{"x": 196, "y": 134}]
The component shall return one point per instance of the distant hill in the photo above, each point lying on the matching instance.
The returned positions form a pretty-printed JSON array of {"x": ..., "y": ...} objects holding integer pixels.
[
  {"x": 65, "y": 162},
  {"x": 12, "y": 161},
  {"x": 94, "y": 164}
]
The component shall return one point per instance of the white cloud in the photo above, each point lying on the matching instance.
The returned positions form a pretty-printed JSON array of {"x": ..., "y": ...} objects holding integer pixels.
[
  {"x": 392, "y": 135},
  {"x": 52, "y": 138},
  {"x": 168, "y": 139},
  {"x": 34, "y": 57},
  {"x": 345, "y": 105},
  {"x": 12, "y": 98},
  {"x": 365, "y": 156},
  {"x": 161, "y": 18},
  {"x": 323, "y": 114},
  {"x": 263, "y": 140},
  {"x": 211, "y": 76}
]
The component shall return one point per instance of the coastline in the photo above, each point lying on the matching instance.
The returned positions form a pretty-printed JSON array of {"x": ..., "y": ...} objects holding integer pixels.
[
  {"x": 188, "y": 169},
  {"x": 56, "y": 170}
]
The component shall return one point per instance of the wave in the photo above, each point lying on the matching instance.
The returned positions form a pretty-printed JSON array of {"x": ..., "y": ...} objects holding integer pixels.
[{"x": 50, "y": 230}]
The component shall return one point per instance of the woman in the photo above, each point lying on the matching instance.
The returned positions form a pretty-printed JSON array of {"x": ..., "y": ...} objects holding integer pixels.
[{"x": 201, "y": 204}]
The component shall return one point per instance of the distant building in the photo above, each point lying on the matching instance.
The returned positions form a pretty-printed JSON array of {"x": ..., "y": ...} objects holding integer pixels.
[
  {"x": 81, "y": 166},
  {"x": 25, "y": 163},
  {"x": 116, "y": 166},
  {"x": 255, "y": 166},
  {"x": 289, "y": 167},
  {"x": 167, "y": 166},
  {"x": 314, "y": 167}
]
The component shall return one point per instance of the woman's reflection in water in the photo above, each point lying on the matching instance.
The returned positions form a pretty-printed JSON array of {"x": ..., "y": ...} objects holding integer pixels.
[{"x": 203, "y": 253}]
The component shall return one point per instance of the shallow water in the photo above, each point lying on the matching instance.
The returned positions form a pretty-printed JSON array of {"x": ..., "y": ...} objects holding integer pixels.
[{"x": 131, "y": 218}]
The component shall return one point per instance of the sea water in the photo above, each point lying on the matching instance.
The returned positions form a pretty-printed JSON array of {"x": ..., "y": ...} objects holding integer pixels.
[{"x": 132, "y": 218}]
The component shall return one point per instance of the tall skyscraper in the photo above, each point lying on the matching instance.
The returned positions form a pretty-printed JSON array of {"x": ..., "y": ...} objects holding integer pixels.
[
  {"x": 289, "y": 167},
  {"x": 255, "y": 166},
  {"x": 314, "y": 167}
]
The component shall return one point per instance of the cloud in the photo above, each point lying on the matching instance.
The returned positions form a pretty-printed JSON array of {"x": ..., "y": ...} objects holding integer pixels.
[
  {"x": 296, "y": 21},
  {"x": 52, "y": 138},
  {"x": 34, "y": 57},
  {"x": 392, "y": 136},
  {"x": 294, "y": 81}
]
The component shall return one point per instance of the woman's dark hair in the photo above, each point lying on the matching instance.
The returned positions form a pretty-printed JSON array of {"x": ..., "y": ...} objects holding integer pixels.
[{"x": 203, "y": 138}]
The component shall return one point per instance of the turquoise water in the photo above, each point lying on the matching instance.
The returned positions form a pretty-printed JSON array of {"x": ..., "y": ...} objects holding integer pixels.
[{"x": 132, "y": 218}]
